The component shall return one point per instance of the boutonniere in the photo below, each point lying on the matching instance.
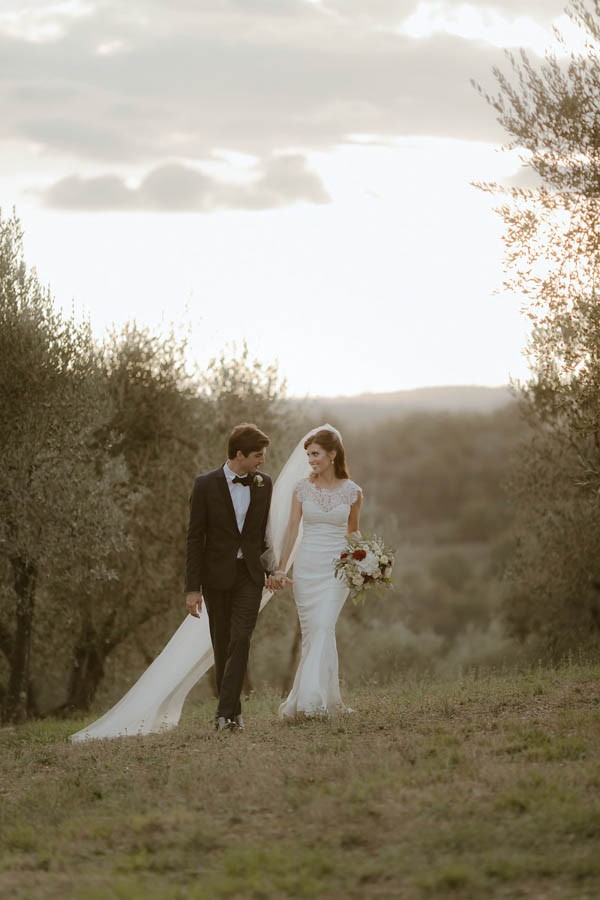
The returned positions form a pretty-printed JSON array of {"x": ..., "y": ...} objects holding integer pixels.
[{"x": 258, "y": 481}]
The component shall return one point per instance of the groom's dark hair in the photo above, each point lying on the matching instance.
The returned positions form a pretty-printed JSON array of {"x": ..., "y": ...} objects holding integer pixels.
[{"x": 248, "y": 438}]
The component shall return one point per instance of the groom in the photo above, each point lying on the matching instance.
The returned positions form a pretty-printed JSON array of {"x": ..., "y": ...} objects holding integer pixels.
[{"x": 229, "y": 508}]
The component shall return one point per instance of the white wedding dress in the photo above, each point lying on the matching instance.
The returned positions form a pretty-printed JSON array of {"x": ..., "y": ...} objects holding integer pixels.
[
  {"x": 155, "y": 701},
  {"x": 319, "y": 597}
]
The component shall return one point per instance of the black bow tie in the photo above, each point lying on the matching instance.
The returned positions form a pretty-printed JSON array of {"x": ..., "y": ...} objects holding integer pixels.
[{"x": 246, "y": 480}]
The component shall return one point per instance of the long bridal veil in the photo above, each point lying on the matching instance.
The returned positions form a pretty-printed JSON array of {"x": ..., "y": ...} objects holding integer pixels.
[{"x": 155, "y": 701}]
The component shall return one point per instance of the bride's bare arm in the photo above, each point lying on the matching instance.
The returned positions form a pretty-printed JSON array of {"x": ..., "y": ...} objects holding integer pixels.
[{"x": 353, "y": 518}]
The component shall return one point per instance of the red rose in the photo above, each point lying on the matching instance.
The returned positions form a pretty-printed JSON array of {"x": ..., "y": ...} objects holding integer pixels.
[
  {"x": 344, "y": 556},
  {"x": 359, "y": 554}
]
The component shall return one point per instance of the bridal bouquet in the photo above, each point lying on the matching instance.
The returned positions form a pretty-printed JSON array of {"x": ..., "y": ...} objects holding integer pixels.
[{"x": 364, "y": 564}]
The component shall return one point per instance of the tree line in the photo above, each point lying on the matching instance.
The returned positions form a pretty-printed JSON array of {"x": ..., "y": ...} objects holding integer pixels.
[
  {"x": 98, "y": 450},
  {"x": 551, "y": 111}
]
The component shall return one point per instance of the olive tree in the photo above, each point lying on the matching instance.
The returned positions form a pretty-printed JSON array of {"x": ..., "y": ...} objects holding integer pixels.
[
  {"x": 58, "y": 521},
  {"x": 551, "y": 111}
]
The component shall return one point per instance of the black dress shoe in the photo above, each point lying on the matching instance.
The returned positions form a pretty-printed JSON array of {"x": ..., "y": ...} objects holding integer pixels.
[{"x": 224, "y": 724}]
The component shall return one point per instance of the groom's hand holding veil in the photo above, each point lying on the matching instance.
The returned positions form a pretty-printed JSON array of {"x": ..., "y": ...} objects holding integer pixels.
[{"x": 193, "y": 602}]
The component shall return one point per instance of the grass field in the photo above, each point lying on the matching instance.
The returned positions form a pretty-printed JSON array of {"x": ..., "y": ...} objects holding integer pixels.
[{"x": 484, "y": 787}]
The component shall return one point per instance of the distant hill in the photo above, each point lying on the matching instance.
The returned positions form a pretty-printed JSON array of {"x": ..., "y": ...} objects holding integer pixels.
[{"x": 365, "y": 409}]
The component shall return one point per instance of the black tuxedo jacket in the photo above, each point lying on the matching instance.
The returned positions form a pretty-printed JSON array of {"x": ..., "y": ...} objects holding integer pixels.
[{"x": 213, "y": 537}]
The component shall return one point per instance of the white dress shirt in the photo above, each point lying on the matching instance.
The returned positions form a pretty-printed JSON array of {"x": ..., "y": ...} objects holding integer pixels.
[{"x": 240, "y": 497}]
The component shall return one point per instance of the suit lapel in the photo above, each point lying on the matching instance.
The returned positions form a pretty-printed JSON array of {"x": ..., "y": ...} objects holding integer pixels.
[
  {"x": 224, "y": 488},
  {"x": 254, "y": 492}
]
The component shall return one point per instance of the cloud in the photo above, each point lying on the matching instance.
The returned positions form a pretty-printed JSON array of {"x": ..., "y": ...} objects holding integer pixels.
[
  {"x": 543, "y": 11},
  {"x": 526, "y": 178},
  {"x": 253, "y": 77},
  {"x": 109, "y": 89},
  {"x": 81, "y": 138},
  {"x": 391, "y": 13},
  {"x": 278, "y": 182}
]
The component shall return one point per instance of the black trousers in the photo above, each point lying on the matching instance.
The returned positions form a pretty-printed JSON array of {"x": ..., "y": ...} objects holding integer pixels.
[{"x": 232, "y": 616}]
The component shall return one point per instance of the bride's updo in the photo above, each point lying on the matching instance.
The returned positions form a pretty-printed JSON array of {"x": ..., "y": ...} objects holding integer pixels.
[{"x": 330, "y": 441}]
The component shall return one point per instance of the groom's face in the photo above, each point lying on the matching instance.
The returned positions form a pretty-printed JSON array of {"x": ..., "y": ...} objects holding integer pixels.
[{"x": 253, "y": 461}]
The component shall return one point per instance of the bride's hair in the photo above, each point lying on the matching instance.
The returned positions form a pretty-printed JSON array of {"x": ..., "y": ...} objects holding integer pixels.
[{"x": 330, "y": 441}]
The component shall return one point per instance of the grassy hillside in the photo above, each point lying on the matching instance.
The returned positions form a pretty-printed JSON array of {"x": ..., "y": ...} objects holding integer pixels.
[{"x": 486, "y": 786}]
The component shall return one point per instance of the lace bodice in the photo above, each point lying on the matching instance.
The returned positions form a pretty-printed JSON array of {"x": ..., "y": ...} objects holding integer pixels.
[{"x": 327, "y": 500}]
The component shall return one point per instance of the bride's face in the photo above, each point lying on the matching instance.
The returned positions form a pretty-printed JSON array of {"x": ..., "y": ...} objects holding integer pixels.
[{"x": 319, "y": 459}]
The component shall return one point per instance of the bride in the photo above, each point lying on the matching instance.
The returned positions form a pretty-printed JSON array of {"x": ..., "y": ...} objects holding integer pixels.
[
  {"x": 155, "y": 701},
  {"x": 328, "y": 504}
]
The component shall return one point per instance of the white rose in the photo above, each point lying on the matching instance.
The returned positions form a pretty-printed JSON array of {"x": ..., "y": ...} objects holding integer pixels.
[
  {"x": 370, "y": 564},
  {"x": 383, "y": 559},
  {"x": 357, "y": 580}
]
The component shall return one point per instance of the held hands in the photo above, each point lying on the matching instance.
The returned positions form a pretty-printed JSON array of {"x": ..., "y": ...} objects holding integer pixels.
[
  {"x": 193, "y": 603},
  {"x": 278, "y": 580}
]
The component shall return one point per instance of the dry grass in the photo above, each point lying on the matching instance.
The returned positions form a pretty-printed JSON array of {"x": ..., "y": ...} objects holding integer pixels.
[{"x": 486, "y": 786}]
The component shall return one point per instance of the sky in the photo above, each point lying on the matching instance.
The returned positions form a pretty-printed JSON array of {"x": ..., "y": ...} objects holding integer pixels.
[{"x": 293, "y": 174}]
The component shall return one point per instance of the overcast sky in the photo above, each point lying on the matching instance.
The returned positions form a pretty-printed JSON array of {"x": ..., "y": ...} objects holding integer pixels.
[{"x": 292, "y": 173}]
